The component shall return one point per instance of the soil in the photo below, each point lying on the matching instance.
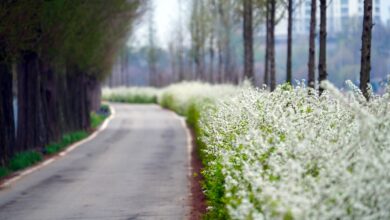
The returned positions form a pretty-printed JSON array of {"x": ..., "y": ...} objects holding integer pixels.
[{"x": 198, "y": 200}]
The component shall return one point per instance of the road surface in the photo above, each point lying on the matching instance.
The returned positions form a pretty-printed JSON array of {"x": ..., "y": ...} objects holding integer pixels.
[{"x": 135, "y": 169}]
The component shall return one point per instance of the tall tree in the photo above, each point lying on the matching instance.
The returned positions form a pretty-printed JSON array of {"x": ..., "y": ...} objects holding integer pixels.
[
  {"x": 312, "y": 45},
  {"x": 211, "y": 57},
  {"x": 289, "y": 40},
  {"x": 365, "y": 67},
  {"x": 248, "y": 40},
  {"x": 272, "y": 65},
  {"x": 7, "y": 128},
  {"x": 62, "y": 50},
  {"x": 267, "y": 43},
  {"x": 152, "y": 56},
  {"x": 322, "y": 74},
  {"x": 221, "y": 42},
  {"x": 198, "y": 38},
  {"x": 225, "y": 13},
  {"x": 180, "y": 42}
]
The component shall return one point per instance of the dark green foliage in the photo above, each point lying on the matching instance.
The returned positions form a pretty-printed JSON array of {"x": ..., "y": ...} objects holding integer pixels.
[
  {"x": 25, "y": 159},
  {"x": 213, "y": 182},
  {"x": 66, "y": 140},
  {"x": 4, "y": 172},
  {"x": 97, "y": 119},
  {"x": 167, "y": 101},
  {"x": 62, "y": 50},
  {"x": 104, "y": 109},
  {"x": 135, "y": 99},
  {"x": 215, "y": 192},
  {"x": 86, "y": 34},
  {"x": 132, "y": 96}
]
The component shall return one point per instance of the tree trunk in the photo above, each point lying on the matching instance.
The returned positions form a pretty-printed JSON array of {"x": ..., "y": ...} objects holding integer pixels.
[
  {"x": 31, "y": 130},
  {"x": 220, "y": 63},
  {"x": 180, "y": 48},
  {"x": 181, "y": 63},
  {"x": 197, "y": 63},
  {"x": 248, "y": 41},
  {"x": 221, "y": 42},
  {"x": 7, "y": 126},
  {"x": 211, "y": 58},
  {"x": 172, "y": 58},
  {"x": 267, "y": 42},
  {"x": 312, "y": 46},
  {"x": 289, "y": 41},
  {"x": 94, "y": 94},
  {"x": 69, "y": 121},
  {"x": 79, "y": 102},
  {"x": 228, "y": 72},
  {"x": 322, "y": 74},
  {"x": 203, "y": 72},
  {"x": 272, "y": 46},
  {"x": 365, "y": 67},
  {"x": 50, "y": 102}
]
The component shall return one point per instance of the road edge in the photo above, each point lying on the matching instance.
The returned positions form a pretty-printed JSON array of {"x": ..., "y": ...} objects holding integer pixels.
[
  {"x": 195, "y": 191},
  {"x": 24, "y": 173}
]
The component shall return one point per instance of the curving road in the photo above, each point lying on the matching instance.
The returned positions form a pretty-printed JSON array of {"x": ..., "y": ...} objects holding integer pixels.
[{"x": 137, "y": 168}]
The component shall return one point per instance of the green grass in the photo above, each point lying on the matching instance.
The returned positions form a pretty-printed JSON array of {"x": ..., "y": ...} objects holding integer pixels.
[
  {"x": 105, "y": 109},
  {"x": 4, "y": 171},
  {"x": 21, "y": 161},
  {"x": 66, "y": 140},
  {"x": 25, "y": 159},
  {"x": 97, "y": 120},
  {"x": 29, "y": 158}
]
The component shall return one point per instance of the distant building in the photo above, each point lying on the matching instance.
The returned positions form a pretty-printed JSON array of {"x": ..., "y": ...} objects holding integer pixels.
[{"x": 339, "y": 13}]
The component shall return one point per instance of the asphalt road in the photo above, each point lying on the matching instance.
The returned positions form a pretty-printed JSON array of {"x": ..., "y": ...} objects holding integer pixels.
[{"x": 135, "y": 169}]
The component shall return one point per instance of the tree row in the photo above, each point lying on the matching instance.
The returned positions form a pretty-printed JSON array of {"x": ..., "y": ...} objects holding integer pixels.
[{"x": 53, "y": 56}]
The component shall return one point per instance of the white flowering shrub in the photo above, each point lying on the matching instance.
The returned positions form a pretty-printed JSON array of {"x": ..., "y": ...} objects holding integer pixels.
[
  {"x": 289, "y": 154},
  {"x": 131, "y": 94},
  {"x": 181, "y": 97}
]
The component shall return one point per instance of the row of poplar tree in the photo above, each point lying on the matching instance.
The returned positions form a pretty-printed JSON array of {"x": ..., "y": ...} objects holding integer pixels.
[
  {"x": 212, "y": 26},
  {"x": 53, "y": 56}
]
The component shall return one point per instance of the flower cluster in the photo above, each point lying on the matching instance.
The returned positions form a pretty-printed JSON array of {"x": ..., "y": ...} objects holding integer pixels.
[{"x": 292, "y": 154}]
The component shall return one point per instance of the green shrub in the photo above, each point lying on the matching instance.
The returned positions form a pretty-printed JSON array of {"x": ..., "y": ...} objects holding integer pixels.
[
  {"x": 97, "y": 120},
  {"x": 53, "y": 148},
  {"x": 4, "y": 172},
  {"x": 66, "y": 140},
  {"x": 24, "y": 160},
  {"x": 105, "y": 108},
  {"x": 135, "y": 95}
]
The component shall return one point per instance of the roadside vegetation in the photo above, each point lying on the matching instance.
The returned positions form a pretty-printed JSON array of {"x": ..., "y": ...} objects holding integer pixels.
[
  {"x": 29, "y": 158},
  {"x": 289, "y": 154},
  {"x": 131, "y": 95}
]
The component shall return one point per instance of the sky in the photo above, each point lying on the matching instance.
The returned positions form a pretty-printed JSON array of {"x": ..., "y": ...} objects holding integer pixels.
[{"x": 166, "y": 16}]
